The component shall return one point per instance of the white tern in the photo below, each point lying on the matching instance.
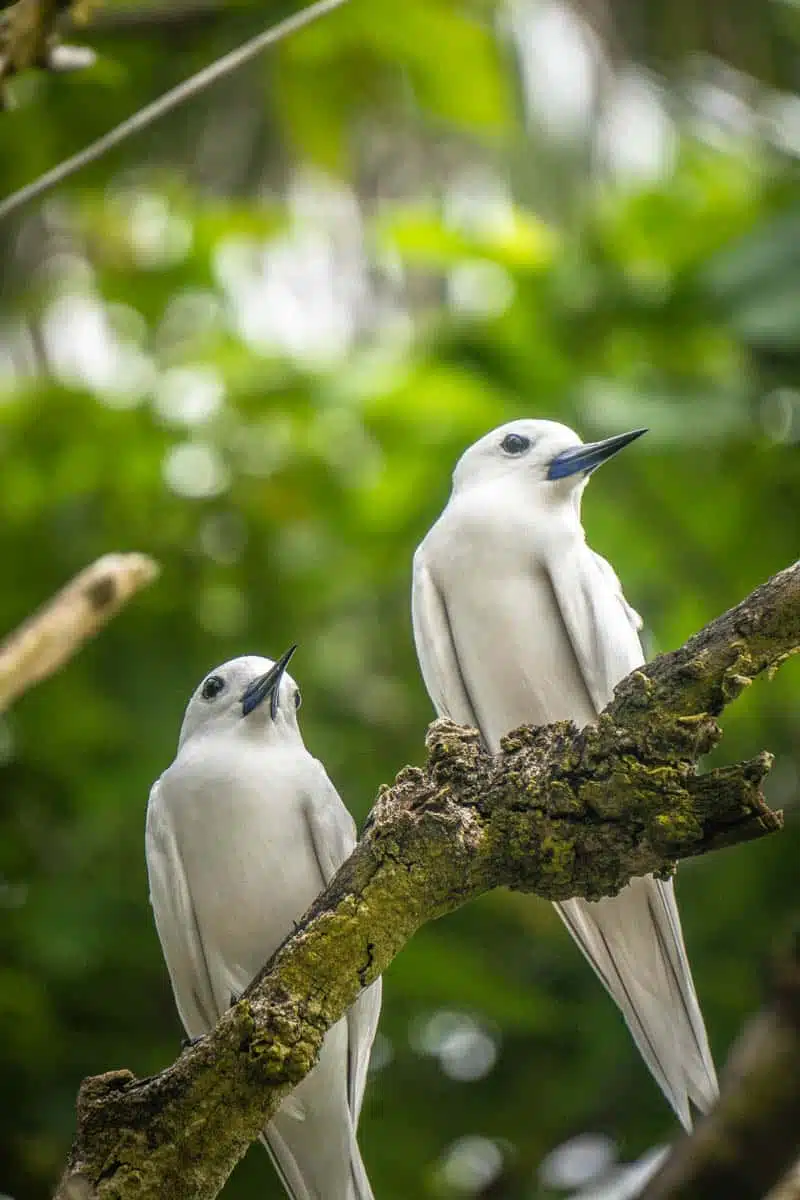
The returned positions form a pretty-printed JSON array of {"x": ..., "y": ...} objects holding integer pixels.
[
  {"x": 244, "y": 830},
  {"x": 517, "y": 621}
]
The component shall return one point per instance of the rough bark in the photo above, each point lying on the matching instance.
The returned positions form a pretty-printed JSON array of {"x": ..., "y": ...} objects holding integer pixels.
[{"x": 557, "y": 812}]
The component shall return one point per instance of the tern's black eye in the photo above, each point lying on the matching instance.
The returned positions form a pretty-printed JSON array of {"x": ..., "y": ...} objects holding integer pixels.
[
  {"x": 298, "y": 699},
  {"x": 515, "y": 443},
  {"x": 212, "y": 687}
]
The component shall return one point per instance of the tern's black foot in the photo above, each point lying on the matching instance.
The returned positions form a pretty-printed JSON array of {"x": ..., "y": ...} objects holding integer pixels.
[
  {"x": 235, "y": 998},
  {"x": 186, "y": 1043}
]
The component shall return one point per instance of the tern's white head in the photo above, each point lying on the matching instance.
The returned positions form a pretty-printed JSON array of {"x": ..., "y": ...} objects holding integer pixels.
[
  {"x": 542, "y": 452},
  {"x": 248, "y": 693}
]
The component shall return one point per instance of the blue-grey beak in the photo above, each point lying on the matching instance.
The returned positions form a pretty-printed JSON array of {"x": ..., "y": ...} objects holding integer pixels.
[
  {"x": 265, "y": 685},
  {"x": 588, "y": 457}
]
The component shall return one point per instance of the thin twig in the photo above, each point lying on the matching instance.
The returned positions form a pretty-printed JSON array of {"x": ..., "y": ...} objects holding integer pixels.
[
  {"x": 171, "y": 99},
  {"x": 52, "y": 635}
]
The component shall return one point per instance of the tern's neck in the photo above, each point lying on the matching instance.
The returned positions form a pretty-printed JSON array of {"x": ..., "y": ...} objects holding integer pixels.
[
  {"x": 537, "y": 500},
  {"x": 247, "y": 733}
]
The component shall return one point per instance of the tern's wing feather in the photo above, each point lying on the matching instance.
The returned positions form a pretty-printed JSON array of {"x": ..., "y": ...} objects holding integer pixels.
[
  {"x": 176, "y": 921},
  {"x": 633, "y": 940},
  {"x": 436, "y": 649},
  {"x": 333, "y": 834},
  {"x": 601, "y": 626},
  {"x": 285, "y": 1163},
  {"x": 362, "y": 1020},
  {"x": 634, "y": 943},
  {"x": 612, "y": 579}
]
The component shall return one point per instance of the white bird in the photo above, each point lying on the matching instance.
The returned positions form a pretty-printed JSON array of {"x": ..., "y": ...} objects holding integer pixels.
[
  {"x": 244, "y": 830},
  {"x": 517, "y": 621}
]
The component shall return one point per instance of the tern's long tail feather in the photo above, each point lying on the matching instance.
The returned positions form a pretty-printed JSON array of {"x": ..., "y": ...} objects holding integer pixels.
[
  {"x": 635, "y": 944},
  {"x": 299, "y": 1188},
  {"x": 298, "y": 1183},
  {"x": 359, "y": 1188}
]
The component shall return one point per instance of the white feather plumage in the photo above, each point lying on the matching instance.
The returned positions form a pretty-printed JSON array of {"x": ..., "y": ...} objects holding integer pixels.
[
  {"x": 244, "y": 830},
  {"x": 517, "y": 621}
]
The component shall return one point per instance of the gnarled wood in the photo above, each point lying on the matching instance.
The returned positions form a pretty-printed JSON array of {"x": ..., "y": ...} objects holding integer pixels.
[{"x": 558, "y": 812}]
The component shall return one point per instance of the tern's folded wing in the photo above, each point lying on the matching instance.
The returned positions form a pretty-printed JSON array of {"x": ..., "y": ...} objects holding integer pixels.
[
  {"x": 436, "y": 649},
  {"x": 176, "y": 921},
  {"x": 333, "y": 836}
]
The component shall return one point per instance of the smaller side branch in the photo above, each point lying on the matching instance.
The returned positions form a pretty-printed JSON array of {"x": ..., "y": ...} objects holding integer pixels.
[
  {"x": 752, "y": 1137},
  {"x": 719, "y": 662},
  {"x": 52, "y": 635}
]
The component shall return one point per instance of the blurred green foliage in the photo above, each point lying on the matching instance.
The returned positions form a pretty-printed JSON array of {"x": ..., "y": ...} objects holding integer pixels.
[{"x": 284, "y": 489}]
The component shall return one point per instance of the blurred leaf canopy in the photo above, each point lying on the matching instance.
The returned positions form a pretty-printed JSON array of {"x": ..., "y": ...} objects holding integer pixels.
[{"x": 253, "y": 343}]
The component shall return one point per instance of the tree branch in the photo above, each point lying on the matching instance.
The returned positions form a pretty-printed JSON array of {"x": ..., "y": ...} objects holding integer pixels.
[
  {"x": 558, "y": 812},
  {"x": 52, "y": 635}
]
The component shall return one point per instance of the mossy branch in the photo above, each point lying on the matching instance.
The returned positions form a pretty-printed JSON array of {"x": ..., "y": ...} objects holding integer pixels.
[{"x": 557, "y": 812}]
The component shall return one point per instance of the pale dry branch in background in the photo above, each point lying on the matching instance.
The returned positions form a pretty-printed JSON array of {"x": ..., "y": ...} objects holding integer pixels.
[{"x": 49, "y": 637}]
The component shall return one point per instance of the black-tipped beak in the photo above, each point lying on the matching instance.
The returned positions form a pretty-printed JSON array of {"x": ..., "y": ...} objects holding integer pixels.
[
  {"x": 590, "y": 456},
  {"x": 267, "y": 685}
]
